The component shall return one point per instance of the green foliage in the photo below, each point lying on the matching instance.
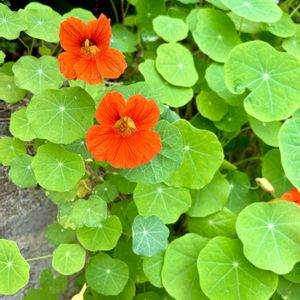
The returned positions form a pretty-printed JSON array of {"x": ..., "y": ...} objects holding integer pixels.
[{"x": 9, "y": 149}]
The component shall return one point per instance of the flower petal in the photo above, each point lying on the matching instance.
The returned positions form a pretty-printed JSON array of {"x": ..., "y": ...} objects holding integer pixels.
[
  {"x": 110, "y": 109},
  {"x": 111, "y": 63},
  {"x": 86, "y": 69},
  {"x": 292, "y": 195},
  {"x": 67, "y": 61},
  {"x": 145, "y": 113},
  {"x": 72, "y": 34},
  {"x": 100, "y": 32}
]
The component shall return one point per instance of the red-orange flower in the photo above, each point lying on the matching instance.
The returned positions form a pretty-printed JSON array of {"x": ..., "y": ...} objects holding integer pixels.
[
  {"x": 292, "y": 195},
  {"x": 124, "y": 137},
  {"x": 88, "y": 56}
]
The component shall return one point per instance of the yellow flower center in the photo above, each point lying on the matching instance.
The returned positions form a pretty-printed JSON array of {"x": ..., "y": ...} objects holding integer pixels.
[
  {"x": 125, "y": 126},
  {"x": 89, "y": 47}
]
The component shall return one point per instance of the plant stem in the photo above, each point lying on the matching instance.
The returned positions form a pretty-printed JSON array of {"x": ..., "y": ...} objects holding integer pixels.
[
  {"x": 246, "y": 160},
  {"x": 115, "y": 10},
  {"x": 24, "y": 44},
  {"x": 39, "y": 258},
  {"x": 126, "y": 9},
  {"x": 240, "y": 26},
  {"x": 31, "y": 48},
  {"x": 295, "y": 10}
]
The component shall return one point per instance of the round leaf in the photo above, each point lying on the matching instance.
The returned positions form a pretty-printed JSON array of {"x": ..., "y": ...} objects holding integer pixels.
[
  {"x": 243, "y": 25},
  {"x": 168, "y": 94},
  {"x": 56, "y": 234},
  {"x": 123, "y": 39},
  {"x": 21, "y": 172},
  {"x": 176, "y": 65},
  {"x": 270, "y": 75},
  {"x": 203, "y": 155},
  {"x": 269, "y": 233},
  {"x": 68, "y": 259},
  {"x": 9, "y": 149},
  {"x": 166, "y": 202},
  {"x": 107, "y": 191},
  {"x": 19, "y": 125},
  {"x": 57, "y": 169},
  {"x": 165, "y": 163},
  {"x": 61, "y": 116},
  {"x": 170, "y": 29},
  {"x": 179, "y": 273},
  {"x": 101, "y": 238},
  {"x": 14, "y": 270},
  {"x": 152, "y": 267},
  {"x": 285, "y": 27},
  {"x": 223, "y": 258},
  {"x": 215, "y": 34},
  {"x": 106, "y": 275},
  {"x": 289, "y": 148},
  {"x": 80, "y": 13},
  {"x": 11, "y": 23},
  {"x": 255, "y": 10},
  {"x": 149, "y": 236},
  {"x": 292, "y": 45},
  {"x": 37, "y": 74}
]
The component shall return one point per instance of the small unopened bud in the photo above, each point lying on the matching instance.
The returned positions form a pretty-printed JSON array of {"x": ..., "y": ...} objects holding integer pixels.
[{"x": 265, "y": 184}]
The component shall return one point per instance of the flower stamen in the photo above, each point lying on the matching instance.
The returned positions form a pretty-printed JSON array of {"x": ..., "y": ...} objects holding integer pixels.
[
  {"x": 89, "y": 47},
  {"x": 125, "y": 126}
]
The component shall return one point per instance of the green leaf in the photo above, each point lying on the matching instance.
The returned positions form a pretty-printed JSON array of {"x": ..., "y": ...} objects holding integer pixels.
[
  {"x": 179, "y": 273},
  {"x": 62, "y": 197},
  {"x": 56, "y": 284},
  {"x": 44, "y": 293},
  {"x": 211, "y": 198},
  {"x": 107, "y": 191},
  {"x": 220, "y": 223},
  {"x": 188, "y": 1},
  {"x": 170, "y": 29},
  {"x": 79, "y": 147},
  {"x": 106, "y": 275},
  {"x": 9, "y": 92},
  {"x": 80, "y": 13},
  {"x": 270, "y": 75},
  {"x": 176, "y": 65},
  {"x": 149, "y": 236},
  {"x": 14, "y": 270},
  {"x": 152, "y": 267},
  {"x": 222, "y": 258},
  {"x": 2, "y": 56},
  {"x": 104, "y": 237},
  {"x": 214, "y": 76},
  {"x": 123, "y": 39},
  {"x": 269, "y": 233},
  {"x": 57, "y": 234},
  {"x": 21, "y": 172},
  {"x": 288, "y": 290},
  {"x": 292, "y": 44},
  {"x": 166, "y": 202},
  {"x": 43, "y": 23},
  {"x": 255, "y": 10},
  {"x": 168, "y": 94},
  {"x": 165, "y": 163},
  {"x": 218, "y": 4},
  {"x": 19, "y": 125},
  {"x": 268, "y": 132},
  {"x": 273, "y": 171},
  {"x": 37, "y": 74},
  {"x": 294, "y": 275},
  {"x": 215, "y": 34},
  {"x": 57, "y": 169},
  {"x": 61, "y": 116},
  {"x": 9, "y": 149},
  {"x": 240, "y": 194},
  {"x": 120, "y": 183},
  {"x": 244, "y": 25},
  {"x": 285, "y": 27},
  {"x": 11, "y": 23},
  {"x": 203, "y": 155},
  {"x": 211, "y": 106},
  {"x": 289, "y": 148},
  {"x": 68, "y": 259}
]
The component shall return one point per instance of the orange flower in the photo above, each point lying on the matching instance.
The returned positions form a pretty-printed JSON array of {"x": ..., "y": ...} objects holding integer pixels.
[
  {"x": 292, "y": 195},
  {"x": 88, "y": 56},
  {"x": 124, "y": 139}
]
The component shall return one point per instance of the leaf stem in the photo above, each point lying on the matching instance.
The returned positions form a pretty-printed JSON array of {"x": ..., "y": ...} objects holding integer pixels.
[
  {"x": 24, "y": 44},
  {"x": 241, "y": 25},
  {"x": 55, "y": 48},
  {"x": 295, "y": 10},
  {"x": 31, "y": 47},
  {"x": 247, "y": 159},
  {"x": 115, "y": 10},
  {"x": 39, "y": 257}
]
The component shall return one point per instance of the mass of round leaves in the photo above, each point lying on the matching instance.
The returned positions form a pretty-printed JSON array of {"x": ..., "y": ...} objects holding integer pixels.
[
  {"x": 56, "y": 169},
  {"x": 106, "y": 275},
  {"x": 68, "y": 259},
  {"x": 222, "y": 259},
  {"x": 14, "y": 270},
  {"x": 149, "y": 236},
  {"x": 269, "y": 233},
  {"x": 9, "y": 149}
]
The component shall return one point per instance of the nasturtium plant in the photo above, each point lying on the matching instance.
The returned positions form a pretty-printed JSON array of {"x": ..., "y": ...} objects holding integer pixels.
[{"x": 166, "y": 136}]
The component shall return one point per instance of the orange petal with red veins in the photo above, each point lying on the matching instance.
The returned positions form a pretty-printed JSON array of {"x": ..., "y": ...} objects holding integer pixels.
[
  {"x": 67, "y": 61},
  {"x": 86, "y": 69},
  {"x": 72, "y": 34},
  {"x": 145, "y": 113},
  {"x": 110, "y": 108},
  {"x": 100, "y": 32},
  {"x": 111, "y": 63}
]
